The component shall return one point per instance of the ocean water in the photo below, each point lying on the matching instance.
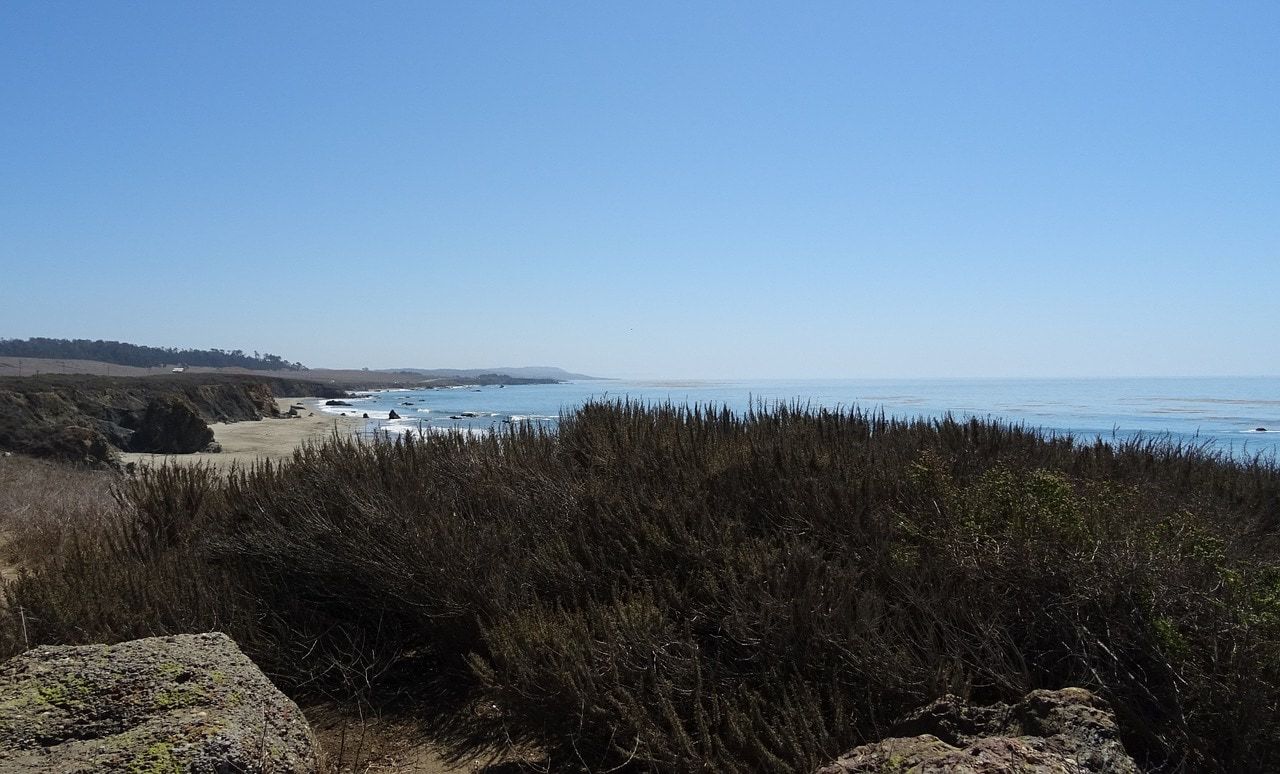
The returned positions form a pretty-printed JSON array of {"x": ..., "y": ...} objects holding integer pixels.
[{"x": 1224, "y": 412}]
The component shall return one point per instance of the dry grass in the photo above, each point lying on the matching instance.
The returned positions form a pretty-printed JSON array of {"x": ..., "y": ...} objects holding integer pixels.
[
  {"x": 41, "y": 504},
  {"x": 355, "y": 743}
]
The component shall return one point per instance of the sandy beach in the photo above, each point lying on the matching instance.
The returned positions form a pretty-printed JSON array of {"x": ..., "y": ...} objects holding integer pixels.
[{"x": 244, "y": 442}]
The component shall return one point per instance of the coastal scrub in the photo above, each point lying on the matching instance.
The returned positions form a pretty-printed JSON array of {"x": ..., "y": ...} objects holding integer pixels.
[{"x": 671, "y": 589}]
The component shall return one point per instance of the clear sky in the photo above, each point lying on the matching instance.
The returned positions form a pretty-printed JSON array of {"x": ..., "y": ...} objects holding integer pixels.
[{"x": 681, "y": 189}]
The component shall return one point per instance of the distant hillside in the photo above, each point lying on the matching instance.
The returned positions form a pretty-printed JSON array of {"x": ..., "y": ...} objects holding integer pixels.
[
  {"x": 348, "y": 378},
  {"x": 136, "y": 356},
  {"x": 523, "y": 372}
]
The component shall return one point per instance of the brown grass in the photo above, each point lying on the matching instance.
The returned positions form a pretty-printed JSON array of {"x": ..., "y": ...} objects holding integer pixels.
[{"x": 42, "y": 504}]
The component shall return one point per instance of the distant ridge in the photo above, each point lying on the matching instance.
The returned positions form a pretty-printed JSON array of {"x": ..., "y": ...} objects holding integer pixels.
[
  {"x": 139, "y": 356},
  {"x": 524, "y": 372}
]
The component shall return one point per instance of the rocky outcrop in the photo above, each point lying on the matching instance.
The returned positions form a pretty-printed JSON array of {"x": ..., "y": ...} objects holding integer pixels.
[
  {"x": 80, "y": 444},
  {"x": 171, "y": 425},
  {"x": 190, "y": 703},
  {"x": 392, "y": 414},
  {"x": 1070, "y": 731}
]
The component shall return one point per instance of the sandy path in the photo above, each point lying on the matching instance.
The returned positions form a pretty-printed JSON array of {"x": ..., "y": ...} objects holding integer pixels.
[{"x": 273, "y": 439}]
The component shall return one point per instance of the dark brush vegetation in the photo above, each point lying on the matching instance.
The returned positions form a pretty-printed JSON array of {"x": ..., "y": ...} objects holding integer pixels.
[
  {"x": 120, "y": 353},
  {"x": 85, "y": 418},
  {"x": 664, "y": 589}
]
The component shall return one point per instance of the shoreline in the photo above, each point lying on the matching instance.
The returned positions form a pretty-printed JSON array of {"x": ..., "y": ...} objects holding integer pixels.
[{"x": 271, "y": 438}]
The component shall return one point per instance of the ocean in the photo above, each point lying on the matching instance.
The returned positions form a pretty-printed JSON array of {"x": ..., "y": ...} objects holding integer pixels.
[{"x": 1240, "y": 416}]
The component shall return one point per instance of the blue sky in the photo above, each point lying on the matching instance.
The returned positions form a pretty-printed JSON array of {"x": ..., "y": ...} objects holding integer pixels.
[{"x": 660, "y": 189}]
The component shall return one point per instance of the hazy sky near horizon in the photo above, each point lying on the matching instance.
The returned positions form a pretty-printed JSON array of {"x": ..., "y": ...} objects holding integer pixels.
[{"x": 651, "y": 189}]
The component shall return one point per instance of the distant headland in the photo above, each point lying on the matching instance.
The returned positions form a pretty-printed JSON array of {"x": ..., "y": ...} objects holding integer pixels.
[{"x": 97, "y": 357}]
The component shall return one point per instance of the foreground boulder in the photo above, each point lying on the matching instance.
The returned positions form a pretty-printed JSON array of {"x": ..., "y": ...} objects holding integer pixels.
[
  {"x": 190, "y": 703},
  {"x": 1070, "y": 731}
]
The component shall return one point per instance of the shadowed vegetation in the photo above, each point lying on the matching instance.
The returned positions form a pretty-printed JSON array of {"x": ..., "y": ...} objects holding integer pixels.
[{"x": 659, "y": 588}]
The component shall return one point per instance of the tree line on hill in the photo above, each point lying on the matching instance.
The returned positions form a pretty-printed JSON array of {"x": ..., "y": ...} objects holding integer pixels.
[{"x": 121, "y": 353}]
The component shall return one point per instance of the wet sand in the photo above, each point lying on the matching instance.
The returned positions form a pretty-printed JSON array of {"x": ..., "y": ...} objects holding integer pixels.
[{"x": 272, "y": 439}]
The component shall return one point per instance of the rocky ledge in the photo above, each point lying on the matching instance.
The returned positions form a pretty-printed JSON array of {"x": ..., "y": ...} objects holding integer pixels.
[
  {"x": 190, "y": 703},
  {"x": 1070, "y": 731}
]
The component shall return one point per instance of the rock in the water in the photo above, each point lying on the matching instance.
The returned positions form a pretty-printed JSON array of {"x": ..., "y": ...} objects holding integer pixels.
[
  {"x": 1070, "y": 731},
  {"x": 393, "y": 415},
  {"x": 170, "y": 425},
  {"x": 366, "y": 416},
  {"x": 336, "y": 403},
  {"x": 190, "y": 703}
]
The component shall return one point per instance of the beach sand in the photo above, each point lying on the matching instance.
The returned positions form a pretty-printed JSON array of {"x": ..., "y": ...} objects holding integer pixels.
[{"x": 272, "y": 439}]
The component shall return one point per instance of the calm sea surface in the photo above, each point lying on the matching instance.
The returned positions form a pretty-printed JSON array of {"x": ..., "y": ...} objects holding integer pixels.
[{"x": 1226, "y": 412}]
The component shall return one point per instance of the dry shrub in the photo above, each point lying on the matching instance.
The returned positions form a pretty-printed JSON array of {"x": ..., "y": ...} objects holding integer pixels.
[{"x": 671, "y": 589}]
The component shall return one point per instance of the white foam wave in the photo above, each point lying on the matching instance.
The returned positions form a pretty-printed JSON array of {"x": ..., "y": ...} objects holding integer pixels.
[{"x": 393, "y": 428}]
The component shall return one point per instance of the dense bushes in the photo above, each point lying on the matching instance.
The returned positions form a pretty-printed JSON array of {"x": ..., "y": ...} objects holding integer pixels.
[{"x": 672, "y": 589}]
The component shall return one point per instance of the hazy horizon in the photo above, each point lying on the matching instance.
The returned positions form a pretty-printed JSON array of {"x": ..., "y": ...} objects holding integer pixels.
[
  {"x": 717, "y": 191},
  {"x": 634, "y": 376}
]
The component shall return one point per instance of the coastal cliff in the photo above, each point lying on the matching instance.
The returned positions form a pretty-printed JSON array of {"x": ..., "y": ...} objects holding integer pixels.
[{"x": 86, "y": 418}]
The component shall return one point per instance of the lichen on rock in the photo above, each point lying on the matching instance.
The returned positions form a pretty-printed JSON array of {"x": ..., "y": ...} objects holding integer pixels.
[
  {"x": 1070, "y": 731},
  {"x": 188, "y": 703}
]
